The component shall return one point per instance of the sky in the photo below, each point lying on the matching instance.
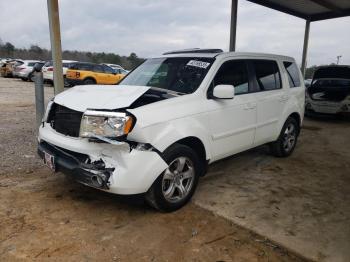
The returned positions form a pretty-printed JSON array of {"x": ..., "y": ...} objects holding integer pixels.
[{"x": 151, "y": 27}]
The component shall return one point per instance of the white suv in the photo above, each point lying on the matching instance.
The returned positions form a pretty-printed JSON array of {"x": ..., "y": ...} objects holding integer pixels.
[{"x": 156, "y": 132}]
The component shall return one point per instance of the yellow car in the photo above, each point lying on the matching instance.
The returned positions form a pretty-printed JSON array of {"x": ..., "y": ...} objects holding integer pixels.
[{"x": 89, "y": 74}]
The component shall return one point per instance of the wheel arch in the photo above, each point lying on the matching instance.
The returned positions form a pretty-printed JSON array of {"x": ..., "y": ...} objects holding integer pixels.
[
  {"x": 90, "y": 77},
  {"x": 296, "y": 116},
  {"x": 197, "y": 145}
]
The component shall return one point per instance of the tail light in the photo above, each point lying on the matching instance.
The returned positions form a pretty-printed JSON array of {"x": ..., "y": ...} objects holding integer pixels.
[
  {"x": 77, "y": 74},
  {"x": 50, "y": 69}
]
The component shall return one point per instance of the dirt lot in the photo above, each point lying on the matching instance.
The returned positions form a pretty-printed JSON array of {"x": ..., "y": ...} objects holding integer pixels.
[
  {"x": 300, "y": 202},
  {"x": 45, "y": 216}
]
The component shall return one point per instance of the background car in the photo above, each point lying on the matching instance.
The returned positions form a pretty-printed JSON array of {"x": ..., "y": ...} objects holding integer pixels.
[
  {"x": 22, "y": 71},
  {"x": 7, "y": 67},
  {"x": 329, "y": 92},
  {"x": 31, "y": 76},
  {"x": 48, "y": 70},
  {"x": 89, "y": 73}
]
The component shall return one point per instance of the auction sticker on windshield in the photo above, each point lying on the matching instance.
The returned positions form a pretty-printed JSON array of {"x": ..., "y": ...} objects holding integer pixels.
[{"x": 198, "y": 64}]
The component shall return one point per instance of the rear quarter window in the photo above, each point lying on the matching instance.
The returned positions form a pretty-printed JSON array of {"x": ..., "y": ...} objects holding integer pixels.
[
  {"x": 267, "y": 74},
  {"x": 293, "y": 74}
]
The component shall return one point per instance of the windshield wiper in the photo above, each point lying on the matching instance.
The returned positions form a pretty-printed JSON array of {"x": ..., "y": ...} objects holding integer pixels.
[{"x": 167, "y": 91}]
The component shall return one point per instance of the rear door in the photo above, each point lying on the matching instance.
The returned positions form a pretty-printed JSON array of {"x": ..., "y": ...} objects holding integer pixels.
[
  {"x": 232, "y": 121},
  {"x": 271, "y": 99}
]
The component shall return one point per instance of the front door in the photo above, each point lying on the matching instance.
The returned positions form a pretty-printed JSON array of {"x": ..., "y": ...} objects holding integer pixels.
[{"x": 232, "y": 121}]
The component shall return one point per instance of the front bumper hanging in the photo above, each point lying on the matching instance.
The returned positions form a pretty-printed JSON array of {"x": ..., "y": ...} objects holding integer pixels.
[{"x": 77, "y": 166}]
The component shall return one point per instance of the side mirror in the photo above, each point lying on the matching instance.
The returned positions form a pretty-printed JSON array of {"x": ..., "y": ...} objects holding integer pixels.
[{"x": 224, "y": 92}]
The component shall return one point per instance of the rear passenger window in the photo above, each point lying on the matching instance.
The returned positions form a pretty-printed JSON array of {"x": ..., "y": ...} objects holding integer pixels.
[
  {"x": 233, "y": 73},
  {"x": 267, "y": 74},
  {"x": 293, "y": 74}
]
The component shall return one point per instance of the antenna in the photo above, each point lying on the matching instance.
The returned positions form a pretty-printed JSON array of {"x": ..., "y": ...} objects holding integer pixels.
[{"x": 338, "y": 59}]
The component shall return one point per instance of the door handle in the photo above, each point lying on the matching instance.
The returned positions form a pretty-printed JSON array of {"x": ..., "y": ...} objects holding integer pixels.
[
  {"x": 283, "y": 98},
  {"x": 249, "y": 106},
  {"x": 252, "y": 105}
]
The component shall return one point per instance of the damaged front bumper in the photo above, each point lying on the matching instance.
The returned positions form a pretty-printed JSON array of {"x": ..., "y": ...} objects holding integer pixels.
[{"x": 114, "y": 168}]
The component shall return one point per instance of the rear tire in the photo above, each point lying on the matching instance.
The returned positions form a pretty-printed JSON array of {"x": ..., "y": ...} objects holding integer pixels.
[
  {"x": 287, "y": 140},
  {"x": 177, "y": 184}
]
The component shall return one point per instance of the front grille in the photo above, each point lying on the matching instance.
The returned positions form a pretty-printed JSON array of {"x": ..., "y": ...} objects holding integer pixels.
[{"x": 65, "y": 120}]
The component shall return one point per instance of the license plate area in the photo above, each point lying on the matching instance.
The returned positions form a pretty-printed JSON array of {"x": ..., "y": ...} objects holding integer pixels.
[{"x": 49, "y": 161}]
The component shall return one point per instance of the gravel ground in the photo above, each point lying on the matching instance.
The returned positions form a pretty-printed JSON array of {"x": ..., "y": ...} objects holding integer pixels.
[{"x": 45, "y": 216}]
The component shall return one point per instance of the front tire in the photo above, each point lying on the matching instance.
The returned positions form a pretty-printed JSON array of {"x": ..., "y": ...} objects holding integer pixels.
[
  {"x": 89, "y": 81},
  {"x": 176, "y": 185},
  {"x": 287, "y": 140}
]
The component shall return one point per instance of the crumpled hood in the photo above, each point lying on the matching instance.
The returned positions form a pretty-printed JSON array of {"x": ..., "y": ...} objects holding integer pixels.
[{"x": 109, "y": 97}]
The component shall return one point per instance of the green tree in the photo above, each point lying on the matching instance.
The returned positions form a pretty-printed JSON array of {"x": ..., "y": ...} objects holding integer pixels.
[
  {"x": 36, "y": 49},
  {"x": 9, "y": 48}
]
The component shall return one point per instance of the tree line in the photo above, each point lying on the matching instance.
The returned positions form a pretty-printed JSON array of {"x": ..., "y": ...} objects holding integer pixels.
[{"x": 35, "y": 52}]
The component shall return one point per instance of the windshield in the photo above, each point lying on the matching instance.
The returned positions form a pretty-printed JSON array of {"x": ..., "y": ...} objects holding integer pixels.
[
  {"x": 331, "y": 82},
  {"x": 179, "y": 74}
]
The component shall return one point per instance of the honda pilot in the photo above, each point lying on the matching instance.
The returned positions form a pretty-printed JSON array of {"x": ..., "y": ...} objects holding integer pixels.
[{"x": 157, "y": 130}]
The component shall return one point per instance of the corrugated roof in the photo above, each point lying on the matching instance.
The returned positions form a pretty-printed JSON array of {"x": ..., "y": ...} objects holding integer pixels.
[{"x": 313, "y": 10}]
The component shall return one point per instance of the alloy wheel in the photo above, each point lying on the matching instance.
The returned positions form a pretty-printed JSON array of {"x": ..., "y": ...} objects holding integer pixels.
[
  {"x": 289, "y": 137},
  {"x": 178, "y": 179}
]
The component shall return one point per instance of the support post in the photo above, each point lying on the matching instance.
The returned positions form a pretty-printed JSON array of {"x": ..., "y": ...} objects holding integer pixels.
[
  {"x": 306, "y": 46},
  {"x": 55, "y": 38},
  {"x": 233, "y": 28},
  {"x": 39, "y": 97}
]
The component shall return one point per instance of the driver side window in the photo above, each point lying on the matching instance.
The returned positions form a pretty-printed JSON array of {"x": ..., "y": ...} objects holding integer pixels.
[{"x": 234, "y": 73}]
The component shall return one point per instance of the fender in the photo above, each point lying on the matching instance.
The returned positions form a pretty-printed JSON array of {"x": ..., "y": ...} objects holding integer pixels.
[
  {"x": 162, "y": 135},
  {"x": 294, "y": 105}
]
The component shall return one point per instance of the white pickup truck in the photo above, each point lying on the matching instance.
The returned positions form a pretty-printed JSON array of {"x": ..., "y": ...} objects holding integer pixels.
[{"x": 157, "y": 130}]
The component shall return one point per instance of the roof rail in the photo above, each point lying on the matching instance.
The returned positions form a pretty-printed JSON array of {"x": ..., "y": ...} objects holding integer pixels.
[{"x": 194, "y": 50}]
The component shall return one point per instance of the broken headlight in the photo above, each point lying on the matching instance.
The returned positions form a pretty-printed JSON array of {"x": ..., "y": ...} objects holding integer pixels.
[{"x": 105, "y": 124}]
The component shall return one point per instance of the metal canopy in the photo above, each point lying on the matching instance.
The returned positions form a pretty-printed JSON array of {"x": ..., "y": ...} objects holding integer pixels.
[{"x": 311, "y": 10}]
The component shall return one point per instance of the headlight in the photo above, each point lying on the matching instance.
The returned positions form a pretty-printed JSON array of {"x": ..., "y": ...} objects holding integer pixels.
[{"x": 105, "y": 124}]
